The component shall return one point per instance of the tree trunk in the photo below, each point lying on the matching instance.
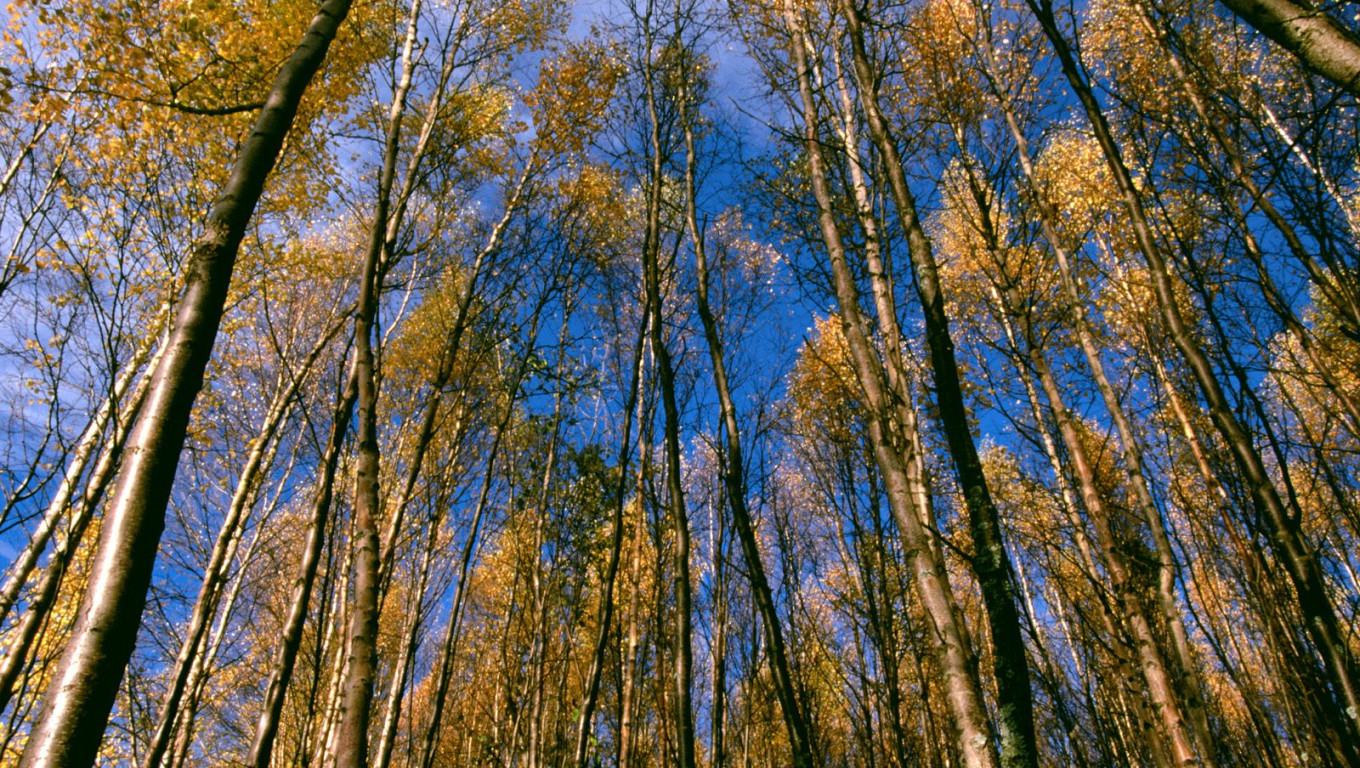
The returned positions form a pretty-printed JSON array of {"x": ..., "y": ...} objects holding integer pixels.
[
  {"x": 717, "y": 728},
  {"x": 76, "y": 709},
  {"x": 112, "y": 410},
  {"x": 1175, "y": 728},
  {"x": 1321, "y": 43},
  {"x": 538, "y": 651},
  {"x": 266, "y": 729},
  {"x": 1185, "y": 669},
  {"x": 903, "y": 479},
  {"x": 401, "y": 670},
  {"x": 675, "y": 496},
  {"x": 591, "y": 694},
  {"x": 734, "y": 474},
  {"x": 224, "y": 549},
  {"x": 990, "y": 560},
  {"x": 1286, "y": 538},
  {"x": 628, "y": 696},
  {"x": 202, "y": 668},
  {"x": 442, "y": 673},
  {"x": 27, "y": 630}
]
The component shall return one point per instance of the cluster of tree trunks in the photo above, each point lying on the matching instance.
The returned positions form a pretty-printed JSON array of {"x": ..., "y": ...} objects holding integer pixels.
[{"x": 1066, "y": 469}]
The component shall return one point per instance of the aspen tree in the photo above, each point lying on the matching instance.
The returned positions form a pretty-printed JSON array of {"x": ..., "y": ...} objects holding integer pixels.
[
  {"x": 76, "y": 709},
  {"x": 1321, "y": 43},
  {"x": 901, "y": 474},
  {"x": 1289, "y": 543}
]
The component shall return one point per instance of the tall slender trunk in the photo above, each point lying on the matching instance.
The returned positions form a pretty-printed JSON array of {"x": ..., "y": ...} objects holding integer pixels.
[
  {"x": 1015, "y": 705},
  {"x": 332, "y": 658},
  {"x": 443, "y": 669},
  {"x": 885, "y": 306},
  {"x": 266, "y": 729},
  {"x": 401, "y": 669},
  {"x": 448, "y": 361},
  {"x": 76, "y": 708},
  {"x": 675, "y": 498},
  {"x": 903, "y": 479},
  {"x": 664, "y": 748},
  {"x": 328, "y": 661},
  {"x": 257, "y": 461},
  {"x": 1184, "y": 667},
  {"x": 351, "y": 745},
  {"x": 734, "y": 473},
  {"x": 1118, "y": 647},
  {"x": 1049, "y": 675},
  {"x": 1157, "y": 677},
  {"x": 675, "y": 495},
  {"x": 202, "y": 668},
  {"x": 717, "y": 729},
  {"x": 590, "y": 697},
  {"x": 1235, "y": 548},
  {"x": 442, "y": 673},
  {"x": 26, "y": 632},
  {"x": 538, "y": 653},
  {"x": 880, "y": 607},
  {"x": 1282, "y": 524},
  {"x": 112, "y": 410},
  {"x": 628, "y": 696}
]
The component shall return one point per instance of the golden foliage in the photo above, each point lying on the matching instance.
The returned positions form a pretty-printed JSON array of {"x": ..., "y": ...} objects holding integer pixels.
[
  {"x": 571, "y": 99},
  {"x": 1071, "y": 174},
  {"x": 823, "y": 392}
]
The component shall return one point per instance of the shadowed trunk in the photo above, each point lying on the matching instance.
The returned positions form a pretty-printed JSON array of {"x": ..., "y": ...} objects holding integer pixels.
[{"x": 903, "y": 476}]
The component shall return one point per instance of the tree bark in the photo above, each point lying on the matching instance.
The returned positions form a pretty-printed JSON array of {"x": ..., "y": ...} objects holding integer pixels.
[
  {"x": 903, "y": 478},
  {"x": 290, "y": 643},
  {"x": 361, "y": 664},
  {"x": 224, "y": 549},
  {"x": 76, "y": 708},
  {"x": 1282, "y": 524},
  {"x": 675, "y": 497},
  {"x": 401, "y": 670},
  {"x": 26, "y": 631},
  {"x": 990, "y": 560},
  {"x": 628, "y": 696},
  {"x": 442, "y": 673},
  {"x": 112, "y": 410},
  {"x": 1153, "y": 666},
  {"x": 1321, "y": 43},
  {"x": 734, "y": 474},
  {"x": 202, "y": 669},
  {"x": 1184, "y": 667}
]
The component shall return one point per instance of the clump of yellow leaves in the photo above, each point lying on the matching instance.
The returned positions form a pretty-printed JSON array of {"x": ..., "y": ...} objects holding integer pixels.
[
  {"x": 823, "y": 392},
  {"x": 1072, "y": 175},
  {"x": 601, "y": 212},
  {"x": 571, "y": 99},
  {"x": 945, "y": 35},
  {"x": 467, "y": 136}
]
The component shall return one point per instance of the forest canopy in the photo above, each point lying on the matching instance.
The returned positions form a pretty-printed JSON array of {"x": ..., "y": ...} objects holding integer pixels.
[{"x": 721, "y": 383}]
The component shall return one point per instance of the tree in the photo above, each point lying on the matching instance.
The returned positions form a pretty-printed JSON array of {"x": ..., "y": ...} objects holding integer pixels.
[
  {"x": 80, "y": 697},
  {"x": 818, "y": 383},
  {"x": 1323, "y": 44}
]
